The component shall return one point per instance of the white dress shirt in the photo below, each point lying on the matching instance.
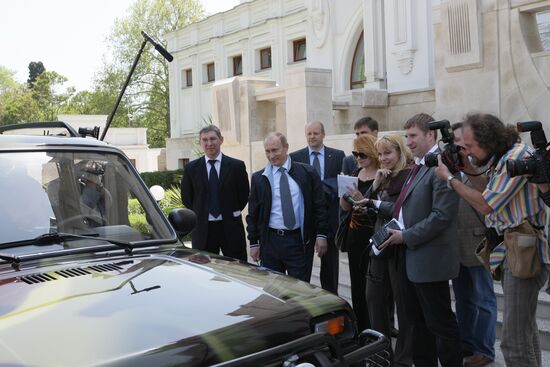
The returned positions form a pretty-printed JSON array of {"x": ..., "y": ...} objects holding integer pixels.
[{"x": 276, "y": 216}]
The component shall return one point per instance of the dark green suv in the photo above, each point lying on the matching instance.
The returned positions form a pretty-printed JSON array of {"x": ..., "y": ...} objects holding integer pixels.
[{"x": 87, "y": 280}]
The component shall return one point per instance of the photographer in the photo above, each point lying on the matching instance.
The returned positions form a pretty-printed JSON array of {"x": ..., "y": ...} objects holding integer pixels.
[{"x": 510, "y": 204}]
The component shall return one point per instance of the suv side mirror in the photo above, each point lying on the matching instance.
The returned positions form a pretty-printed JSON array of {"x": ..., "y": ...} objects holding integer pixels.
[{"x": 183, "y": 220}]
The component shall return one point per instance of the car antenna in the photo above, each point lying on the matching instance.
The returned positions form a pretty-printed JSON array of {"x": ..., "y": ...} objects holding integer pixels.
[{"x": 160, "y": 49}]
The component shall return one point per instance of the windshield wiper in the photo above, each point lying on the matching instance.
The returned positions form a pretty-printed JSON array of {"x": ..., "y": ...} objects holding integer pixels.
[
  {"x": 55, "y": 237},
  {"x": 12, "y": 259}
]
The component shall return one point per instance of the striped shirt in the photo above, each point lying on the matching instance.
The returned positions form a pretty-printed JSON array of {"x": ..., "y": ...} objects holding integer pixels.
[{"x": 515, "y": 200}]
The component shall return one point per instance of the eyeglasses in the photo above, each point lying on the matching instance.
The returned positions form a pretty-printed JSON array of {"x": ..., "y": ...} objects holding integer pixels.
[{"x": 359, "y": 155}]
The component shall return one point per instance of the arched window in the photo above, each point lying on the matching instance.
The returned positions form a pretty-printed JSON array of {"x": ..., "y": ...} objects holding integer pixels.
[{"x": 357, "y": 77}]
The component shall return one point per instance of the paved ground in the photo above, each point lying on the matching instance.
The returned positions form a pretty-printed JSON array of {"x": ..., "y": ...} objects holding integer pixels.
[{"x": 344, "y": 293}]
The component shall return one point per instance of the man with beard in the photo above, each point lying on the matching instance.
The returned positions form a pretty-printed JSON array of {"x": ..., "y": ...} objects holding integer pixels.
[{"x": 509, "y": 204}]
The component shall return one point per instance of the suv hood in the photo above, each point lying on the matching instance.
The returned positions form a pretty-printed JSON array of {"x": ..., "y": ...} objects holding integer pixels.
[{"x": 137, "y": 311}]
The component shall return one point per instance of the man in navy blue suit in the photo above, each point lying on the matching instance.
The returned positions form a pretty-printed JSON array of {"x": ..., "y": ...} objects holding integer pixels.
[
  {"x": 327, "y": 162},
  {"x": 216, "y": 188}
]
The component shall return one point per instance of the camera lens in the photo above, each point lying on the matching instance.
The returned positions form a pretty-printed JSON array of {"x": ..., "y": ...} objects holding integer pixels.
[
  {"x": 520, "y": 167},
  {"x": 430, "y": 159}
]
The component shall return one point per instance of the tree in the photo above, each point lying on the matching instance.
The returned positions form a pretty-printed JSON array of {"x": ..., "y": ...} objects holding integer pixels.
[
  {"x": 7, "y": 80},
  {"x": 147, "y": 98},
  {"x": 35, "y": 70},
  {"x": 42, "y": 102}
]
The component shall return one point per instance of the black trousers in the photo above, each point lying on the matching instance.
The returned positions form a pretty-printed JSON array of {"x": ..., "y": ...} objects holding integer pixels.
[
  {"x": 216, "y": 241},
  {"x": 330, "y": 261},
  {"x": 285, "y": 254},
  {"x": 358, "y": 256},
  {"x": 434, "y": 325},
  {"x": 382, "y": 280}
]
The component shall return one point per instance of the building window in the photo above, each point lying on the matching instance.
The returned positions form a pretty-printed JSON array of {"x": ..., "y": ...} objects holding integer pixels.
[
  {"x": 299, "y": 47},
  {"x": 357, "y": 77},
  {"x": 237, "y": 65},
  {"x": 265, "y": 58},
  {"x": 543, "y": 24},
  {"x": 187, "y": 78},
  {"x": 182, "y": 162},
  {"x": 210, "y": 72}
]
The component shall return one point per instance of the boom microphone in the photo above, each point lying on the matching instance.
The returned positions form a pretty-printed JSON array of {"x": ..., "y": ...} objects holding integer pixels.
[{"x": 158, "y": 47}]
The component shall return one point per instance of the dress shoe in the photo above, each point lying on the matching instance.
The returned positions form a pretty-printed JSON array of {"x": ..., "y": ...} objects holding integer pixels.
[{"x": 477, "y": 360}]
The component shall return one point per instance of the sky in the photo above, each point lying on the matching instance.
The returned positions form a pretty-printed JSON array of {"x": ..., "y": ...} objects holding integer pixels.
[{"x": 68, "y": 36}]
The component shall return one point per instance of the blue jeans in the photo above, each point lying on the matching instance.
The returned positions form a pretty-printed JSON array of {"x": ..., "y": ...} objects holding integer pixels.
[{"x": 476, "y": 310}]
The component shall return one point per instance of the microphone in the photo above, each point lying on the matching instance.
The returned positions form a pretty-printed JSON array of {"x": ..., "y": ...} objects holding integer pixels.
[{"x": 158, "y": 47}]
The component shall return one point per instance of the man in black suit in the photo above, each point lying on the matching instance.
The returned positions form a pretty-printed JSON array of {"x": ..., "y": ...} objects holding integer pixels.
[
  {"x": 327, "y": 162},
  {"x": 286, "y": 212},
  {"x": 365, "y": 125},
  {"x": 216, "y": 188}
]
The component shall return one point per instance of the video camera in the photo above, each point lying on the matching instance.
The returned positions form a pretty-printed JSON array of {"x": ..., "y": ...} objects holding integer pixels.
[
  {"x": 450, "y": 153},
  {"x": 538, "y": 165}
]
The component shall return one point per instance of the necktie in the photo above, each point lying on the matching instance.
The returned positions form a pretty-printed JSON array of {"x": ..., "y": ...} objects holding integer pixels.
[
  {"x": 399, "y": 202},
  {"x": 213, "y": 190},
  {"x": 289, "y": 218},
  {"x": 316, "y": 163}
]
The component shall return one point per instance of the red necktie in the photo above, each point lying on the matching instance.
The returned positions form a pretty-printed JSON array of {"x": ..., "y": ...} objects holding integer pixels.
[{"x": 399, "y": 202}]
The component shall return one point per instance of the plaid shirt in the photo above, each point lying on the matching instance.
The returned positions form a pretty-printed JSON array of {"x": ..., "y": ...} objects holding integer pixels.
[{"x": 515, "y": 200}]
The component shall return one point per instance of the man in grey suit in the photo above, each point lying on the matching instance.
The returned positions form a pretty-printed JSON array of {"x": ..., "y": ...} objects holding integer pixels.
[
  {"x": 426, "y": 209},
  {"x": 365, "y": 125},
  {"x": 328, "y": 164}
]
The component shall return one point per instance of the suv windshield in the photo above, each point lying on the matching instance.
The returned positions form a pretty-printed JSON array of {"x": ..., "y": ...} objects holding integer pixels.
[{"x": 84, "y": 193}]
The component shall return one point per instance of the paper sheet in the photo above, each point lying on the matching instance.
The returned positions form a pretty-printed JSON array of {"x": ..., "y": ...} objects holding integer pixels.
[{"x": 344, "y": 182}]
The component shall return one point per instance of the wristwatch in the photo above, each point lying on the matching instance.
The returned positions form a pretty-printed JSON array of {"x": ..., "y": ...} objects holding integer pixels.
[{"x": 449, "y": 179}]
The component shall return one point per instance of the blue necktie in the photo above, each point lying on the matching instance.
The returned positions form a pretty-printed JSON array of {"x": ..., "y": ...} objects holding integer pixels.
[
  {"x": 213, "y": 190},
  {"x": 316, "y": 163},
  {"x": 289, "y": 218}
]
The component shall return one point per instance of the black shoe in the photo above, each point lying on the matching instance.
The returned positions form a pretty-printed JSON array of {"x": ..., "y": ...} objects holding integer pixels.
[{"x": 394, "y": 332}]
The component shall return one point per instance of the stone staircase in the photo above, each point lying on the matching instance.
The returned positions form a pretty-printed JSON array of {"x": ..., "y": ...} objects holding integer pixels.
[{"x": 543, "y": 309}]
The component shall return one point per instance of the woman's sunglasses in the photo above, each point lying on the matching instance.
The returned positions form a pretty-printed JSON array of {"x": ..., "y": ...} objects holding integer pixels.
[{"x": 359, "y": 155}]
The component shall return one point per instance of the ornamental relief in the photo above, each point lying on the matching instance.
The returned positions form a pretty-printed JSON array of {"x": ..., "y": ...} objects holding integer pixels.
[{"x": 319, "y": 13}]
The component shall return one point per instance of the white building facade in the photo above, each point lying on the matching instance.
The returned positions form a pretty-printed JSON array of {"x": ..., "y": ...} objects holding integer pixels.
[
  {"x": 132, "y": 141},
  {"x": 274, "y": 65}
]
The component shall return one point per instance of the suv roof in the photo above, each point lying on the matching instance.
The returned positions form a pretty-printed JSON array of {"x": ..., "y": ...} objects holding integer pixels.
[{"x": 8, "y": 142}]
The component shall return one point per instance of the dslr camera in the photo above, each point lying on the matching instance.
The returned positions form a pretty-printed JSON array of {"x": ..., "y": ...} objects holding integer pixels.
[
  {"x": 538, "y": 164},
  {"x": 450, "y": 153}
]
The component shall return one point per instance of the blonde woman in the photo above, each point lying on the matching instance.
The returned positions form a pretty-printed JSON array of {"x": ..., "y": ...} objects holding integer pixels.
[
  {"x": 361, "y": 225},
  {"x": 395, "y": 158}
]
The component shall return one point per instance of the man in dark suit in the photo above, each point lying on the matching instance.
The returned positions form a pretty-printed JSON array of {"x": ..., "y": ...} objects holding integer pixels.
[
  {"x": 328, "y": 164},
  {"x": 426, "y": 208},
  {"x": 216, "y": 188},
  {"x": 365, "y": 125},
  {"x": 286, "y": 212}
]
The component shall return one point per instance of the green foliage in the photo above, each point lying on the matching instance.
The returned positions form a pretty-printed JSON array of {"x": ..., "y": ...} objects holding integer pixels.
[
  {"x": 42, "y": 102},
  {"x": 35, "y": 70},
  {"x": 162, "y": 178},
  {"x": 171, "y": 200}
]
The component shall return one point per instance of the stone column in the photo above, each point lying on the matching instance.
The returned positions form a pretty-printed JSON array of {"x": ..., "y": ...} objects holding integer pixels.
[{"x": 308, "y": 97}]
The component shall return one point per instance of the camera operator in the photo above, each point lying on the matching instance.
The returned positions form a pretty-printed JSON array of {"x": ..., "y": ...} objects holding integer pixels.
[{"x": 507, "y": 202}]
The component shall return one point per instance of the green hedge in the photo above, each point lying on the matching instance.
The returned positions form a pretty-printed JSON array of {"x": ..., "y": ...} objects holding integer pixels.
[{"x": 165, "y": 179}]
